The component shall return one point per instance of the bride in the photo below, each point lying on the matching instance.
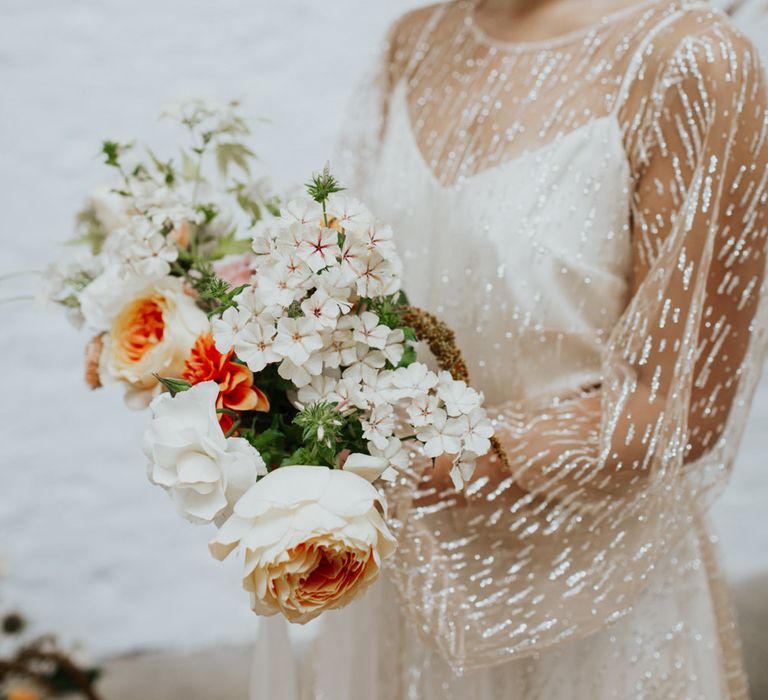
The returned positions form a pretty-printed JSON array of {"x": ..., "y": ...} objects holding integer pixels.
[{"x": 580, "y": 191}]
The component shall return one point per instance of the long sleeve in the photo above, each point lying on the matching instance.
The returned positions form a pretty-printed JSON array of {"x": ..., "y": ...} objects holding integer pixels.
[
  {"x": 698, "y": 231},
  {"x": 605, "y": 479}
]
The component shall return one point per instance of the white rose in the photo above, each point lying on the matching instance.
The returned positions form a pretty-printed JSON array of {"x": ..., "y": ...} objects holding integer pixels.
[
  {"x": 204, "y": 472},
  {"x": 152, "y": 334},
  {"x": 313, "y": 537},
  {"x": 368, "y": 467}
]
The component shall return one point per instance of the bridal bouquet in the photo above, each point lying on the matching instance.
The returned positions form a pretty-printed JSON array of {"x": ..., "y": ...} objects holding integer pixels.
[{"x": 277, "y": 352}]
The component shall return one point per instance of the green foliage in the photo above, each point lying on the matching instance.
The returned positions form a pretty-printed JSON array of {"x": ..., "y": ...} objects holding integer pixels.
[
  {"x": 228, "y": 244},
  {"x": 90, "y": 232},
  {"x": 294, "y": 310},
  {"x": 71, "y": 301},
  {"x": 273, "y": 434},
  {"x": 388, "y": 309},
  {"x": 351, "y": 435},
  {"x": 254, "y": 206},
  {"x": 165, "y": 168},
  {"x": 222, "y": 293},
  {"x": 321, "y": 425},
  {"x": 209, "y": 212},
  {"x": 249, "y": 205},
  {"x": 112, "y": 150},
  {"x": 215, "y": 295},
  {"x": 188, "y": 166},
  {"x": 323, "y": 185},
  {"x": 266, "y": 441},
  {"x": 409, "y": 355},
  {"x": 232, "y": 153},
  {"x": 301, "y": 455},
  {"x": 272, "y": 205}
]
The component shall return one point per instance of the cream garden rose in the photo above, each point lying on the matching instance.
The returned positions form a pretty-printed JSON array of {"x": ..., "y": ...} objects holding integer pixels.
[
  {"x": 190, "y": 457},
  {"x": 313, "y": 539},
  {"x": 151, "y": 334}
]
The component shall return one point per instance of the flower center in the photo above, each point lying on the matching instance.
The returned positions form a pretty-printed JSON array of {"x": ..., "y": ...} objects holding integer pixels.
[{"x": 140, "y": 327}]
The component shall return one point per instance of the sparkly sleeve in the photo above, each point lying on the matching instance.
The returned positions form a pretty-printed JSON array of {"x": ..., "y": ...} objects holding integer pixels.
[{"x": 604, "y": 480}]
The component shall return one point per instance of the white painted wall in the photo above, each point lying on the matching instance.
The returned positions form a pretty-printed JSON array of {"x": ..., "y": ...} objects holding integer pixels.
[{"x": 88, "y": 546}]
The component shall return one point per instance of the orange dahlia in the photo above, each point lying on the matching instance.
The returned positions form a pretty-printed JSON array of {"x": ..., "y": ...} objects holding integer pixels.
[{"x": 236, "y": 389}]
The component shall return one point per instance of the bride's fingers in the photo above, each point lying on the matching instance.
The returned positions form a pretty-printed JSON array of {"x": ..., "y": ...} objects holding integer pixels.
[{"x": 435, "y": 484}]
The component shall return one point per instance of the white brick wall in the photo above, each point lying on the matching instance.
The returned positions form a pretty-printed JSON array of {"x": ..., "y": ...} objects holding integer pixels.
[{"x": 88, "y": 546}]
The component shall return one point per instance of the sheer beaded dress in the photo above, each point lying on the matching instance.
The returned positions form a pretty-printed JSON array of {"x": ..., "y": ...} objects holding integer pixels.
[{"x": 588, "y": 214}]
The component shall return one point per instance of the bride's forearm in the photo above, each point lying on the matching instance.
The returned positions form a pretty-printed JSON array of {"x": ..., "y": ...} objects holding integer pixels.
[{"x": 567, "y": 449}]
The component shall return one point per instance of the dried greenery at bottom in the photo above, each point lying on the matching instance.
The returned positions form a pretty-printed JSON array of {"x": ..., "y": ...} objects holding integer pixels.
[{"x": 40, "y": 669}]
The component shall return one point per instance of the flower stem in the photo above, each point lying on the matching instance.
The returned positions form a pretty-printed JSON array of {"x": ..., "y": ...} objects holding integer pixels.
[
  {"x": 20, "y": 273},
  {"x": 22, "y": 297}
]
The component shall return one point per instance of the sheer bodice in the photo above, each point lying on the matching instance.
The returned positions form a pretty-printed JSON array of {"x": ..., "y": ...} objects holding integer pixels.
[
  {"x": 511, "y": 283},
  {"x": 589, "y": 215}
]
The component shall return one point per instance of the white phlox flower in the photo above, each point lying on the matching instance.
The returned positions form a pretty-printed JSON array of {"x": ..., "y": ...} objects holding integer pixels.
[
  {"x": 322, "y": 309},
  {"x": 370, "y": 332},
  {"x": 351, "y": 214},
  {"x": 379, "y": 425},
  {"x": 443, "y": 435},
  {"x": 319, "y": 247},
  {"x": 459, "y": 399},
  {"x": 415, "y": 379},
  {"x": 297, "y": 339},
  {"x": 254, "y": 344},
  {"x": 421, "y": 411}
]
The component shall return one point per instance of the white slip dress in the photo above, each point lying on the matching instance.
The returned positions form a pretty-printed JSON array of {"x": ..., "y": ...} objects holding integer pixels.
[
  {"x": 530, "y": 262},
  {"x": 669, "y": 646}
]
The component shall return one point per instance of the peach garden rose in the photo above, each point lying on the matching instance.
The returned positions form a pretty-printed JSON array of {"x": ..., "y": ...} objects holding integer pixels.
[
  {"x": 152, "y": 334},
  {"x": 313, "y": 539}
]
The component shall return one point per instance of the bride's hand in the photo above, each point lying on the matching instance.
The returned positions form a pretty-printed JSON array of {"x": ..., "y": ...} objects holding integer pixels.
[
  {"x": 437, "y": 487},
  {"x": 436, "y": 484}
]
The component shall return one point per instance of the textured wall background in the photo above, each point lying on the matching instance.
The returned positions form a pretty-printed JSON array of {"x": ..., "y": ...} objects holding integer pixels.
[{"x": 87, "y": 546}]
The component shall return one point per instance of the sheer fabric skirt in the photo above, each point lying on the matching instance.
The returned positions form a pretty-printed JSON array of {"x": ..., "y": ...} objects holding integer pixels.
[{"x": 679, "y": 641}]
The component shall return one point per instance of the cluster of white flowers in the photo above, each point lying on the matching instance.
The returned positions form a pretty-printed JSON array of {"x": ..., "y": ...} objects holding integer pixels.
[
  {"x": 305, "y": 312},
  {"x": 140, "y": 249}
]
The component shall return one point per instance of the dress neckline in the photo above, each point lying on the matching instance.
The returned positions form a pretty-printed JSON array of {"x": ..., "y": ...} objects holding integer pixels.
[
  {"x": 400, "y": 108},
  {"x": 558, "y": 40}
]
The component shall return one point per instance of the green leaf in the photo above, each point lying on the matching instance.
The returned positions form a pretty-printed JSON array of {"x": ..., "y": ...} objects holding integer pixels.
[
  {"x": 166, "y": 168},
  {"x": 410, "y": 334},
  {"x": 266, "y": 438},
  {"x": 111, "y": 152},
  {"x": 273, "y": 206},
  {"x": 229, "y": 245},
  {"x": 409, "y": 356},
  {"x": 299, "y": 456},
  {"x": 91, "y": 232},
  {"x": 188, "y": 167},
  {"x": 174, "y": 386},
  {"x": 228, "y": 154},
  {"x": 209, "y": 212},
  {"x": 388, "y": 310},
  {"x": 249, "y": 206}
]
